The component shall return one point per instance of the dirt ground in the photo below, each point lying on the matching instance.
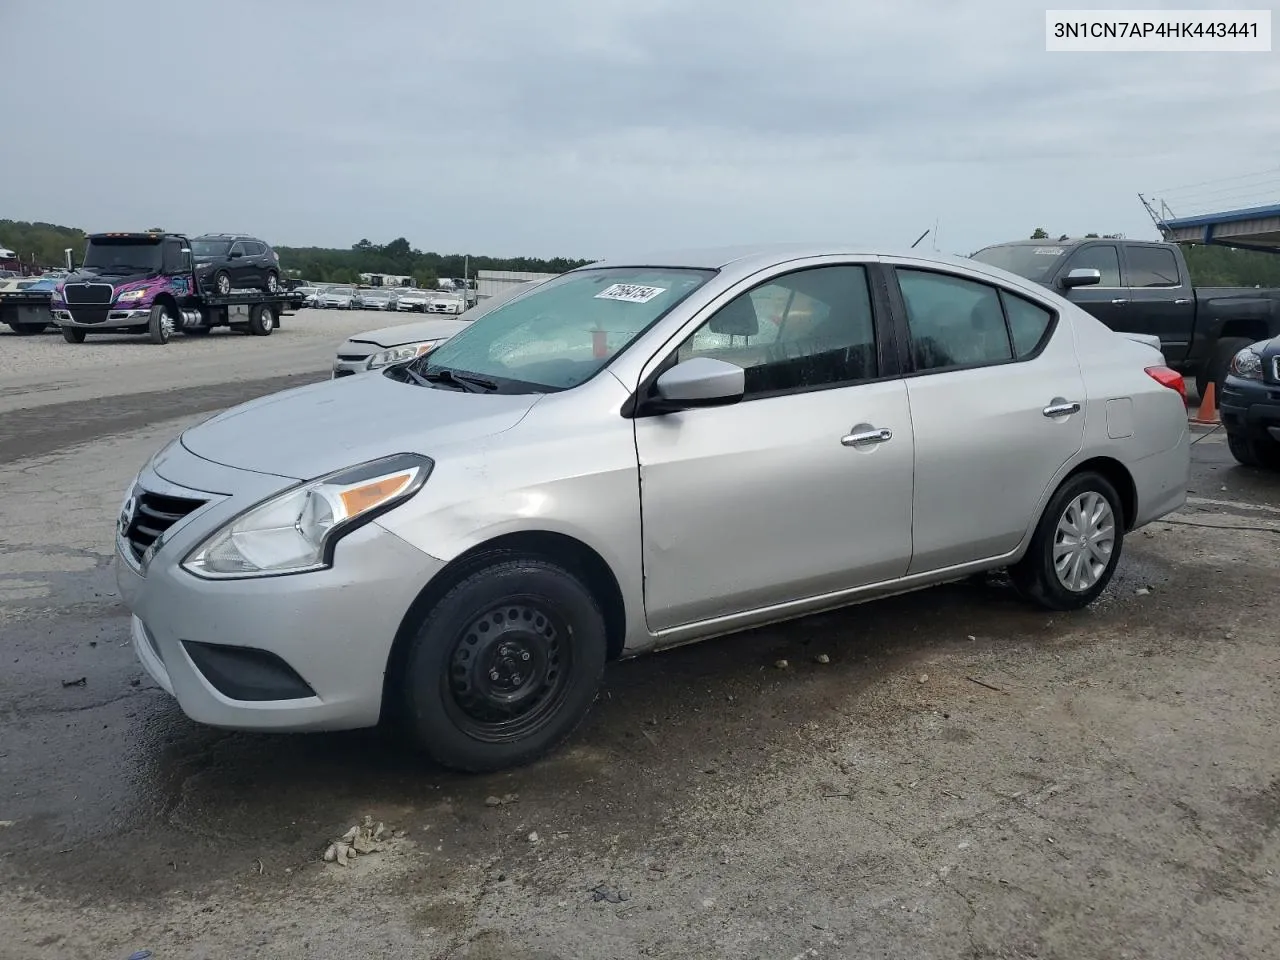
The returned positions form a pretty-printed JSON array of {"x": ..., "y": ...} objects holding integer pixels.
[{"x": 947, "y": 774}]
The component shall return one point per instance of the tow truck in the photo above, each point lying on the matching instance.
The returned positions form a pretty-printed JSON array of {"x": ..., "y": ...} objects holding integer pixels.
[{"x": 147, "y": 284}]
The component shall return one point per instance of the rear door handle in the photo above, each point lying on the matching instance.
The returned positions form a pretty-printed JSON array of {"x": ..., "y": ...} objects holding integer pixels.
[
  {"x": 1118, "y": 303},
  {"x": 1063, "y": 409},
  {"x": 867, "y": 436},
  {"x": 1181, "y": 303}
]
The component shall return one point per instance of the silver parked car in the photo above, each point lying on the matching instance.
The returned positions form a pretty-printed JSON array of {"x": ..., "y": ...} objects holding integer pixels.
[
  {"x": 375, "y": 299},
  {"x": 463, "y": 540},
  {"x": 336, "y": 298}
]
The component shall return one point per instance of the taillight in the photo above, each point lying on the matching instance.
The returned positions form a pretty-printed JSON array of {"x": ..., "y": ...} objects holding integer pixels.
[{"x": 1169, "y": 378}]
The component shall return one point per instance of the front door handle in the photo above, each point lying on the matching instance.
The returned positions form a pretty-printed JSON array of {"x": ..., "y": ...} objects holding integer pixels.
[
  {"x": 1181, "y": 303},
  {"x": 1061, "y": 409},
  {"x": 1118, "y": 303},
  {"x": 867, "y": 436}
]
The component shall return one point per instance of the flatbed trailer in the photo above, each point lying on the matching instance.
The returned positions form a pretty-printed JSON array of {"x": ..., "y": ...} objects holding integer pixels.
[{"x": 26, "y": 312}]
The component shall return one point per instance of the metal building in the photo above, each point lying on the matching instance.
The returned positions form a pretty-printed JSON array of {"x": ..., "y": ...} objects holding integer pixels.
[{"x": 492, "y": 282}]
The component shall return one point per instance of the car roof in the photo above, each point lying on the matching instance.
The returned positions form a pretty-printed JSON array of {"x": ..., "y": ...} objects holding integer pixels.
[
  {"x": 227, "y": 236},
  {"x": 1050, "y": 242},
  {"x": 762, "y": 256}
]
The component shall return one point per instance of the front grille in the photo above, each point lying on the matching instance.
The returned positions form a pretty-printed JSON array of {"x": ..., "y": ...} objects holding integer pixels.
[
  {"x": 87, "y": 293},
  {"x": 89, "y": 314},
  {"x": 353, "y": 357},
  {"x": 153, "y": 515},
  {"x": 342, "y": 373}
]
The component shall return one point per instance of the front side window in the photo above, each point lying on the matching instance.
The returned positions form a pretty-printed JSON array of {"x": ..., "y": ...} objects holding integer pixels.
[
  {"x": 1152, "y": 267},
  {"x": 1102, "y": 257},
  {"x": 805, "y": 330},
  {"x": 953, "y": 322},
  {"x": 562, "y": 333},
  {"x": 210, "y": 249},
  {"x": 173, "y": 259}
]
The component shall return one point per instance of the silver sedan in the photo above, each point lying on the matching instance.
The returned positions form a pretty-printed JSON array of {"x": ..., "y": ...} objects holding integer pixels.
[{"x": 464, "y": 539}]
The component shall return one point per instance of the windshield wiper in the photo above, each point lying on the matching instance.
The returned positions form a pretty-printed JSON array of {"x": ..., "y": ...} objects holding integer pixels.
[{"x": 463, "y": 381}]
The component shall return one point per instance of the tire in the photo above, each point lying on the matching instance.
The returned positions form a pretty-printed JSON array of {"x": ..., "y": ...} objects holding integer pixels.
[
  {"x": 160, "y": 324},
  {"x": 262, "y": 320},
  {"x": 448, "y": 697},
  {"x": 1254, "y": 451},
  {"x": 273, "y": 282},
  {"x": 27, "y": 329},
  {"x": 1035, "y": 575},
  {"x": 1219, "y": 362},
  {"x": 73, "y": 335},
  {"x": 222, "y": 283},
  {"x": 196, "y": 331}
]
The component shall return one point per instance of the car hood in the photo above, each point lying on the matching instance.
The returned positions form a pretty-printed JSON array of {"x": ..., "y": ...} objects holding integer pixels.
[
  {"x": 411, "y": 333},
  {"x": 310, "y": 431}
]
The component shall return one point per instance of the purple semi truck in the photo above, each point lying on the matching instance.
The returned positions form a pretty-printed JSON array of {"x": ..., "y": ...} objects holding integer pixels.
[{"x": 147, "y": 283}]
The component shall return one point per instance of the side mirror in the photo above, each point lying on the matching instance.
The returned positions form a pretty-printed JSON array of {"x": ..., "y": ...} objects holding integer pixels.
[
  {"x": 235, "y": 255},
  {"x": 701, "y": 382},
  {"x": 1081, "y": 277}
]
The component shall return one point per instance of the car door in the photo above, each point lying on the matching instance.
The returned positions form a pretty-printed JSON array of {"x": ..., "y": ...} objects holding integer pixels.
[
  {"x": 1109, "y": 299},
  {"x": 997, "y": 405},
  {"x": 1161, "y": 301},
  {"x": 803, "y": 487},
  {"x": 240, "y": 268}
]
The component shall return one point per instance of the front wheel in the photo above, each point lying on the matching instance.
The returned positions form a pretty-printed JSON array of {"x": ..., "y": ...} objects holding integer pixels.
[
  {"x": 1254, "y": 451},
  {"x": 26, "y": 329},
  {"x": 73, "y": 335},
  {"x": 222, "y": 283},
  {"x": 273, "y": 283},
  {"x": 504, "y": 667},
  {"x": 1076, "y": 546},
  {"x": 160, "y": 324}
]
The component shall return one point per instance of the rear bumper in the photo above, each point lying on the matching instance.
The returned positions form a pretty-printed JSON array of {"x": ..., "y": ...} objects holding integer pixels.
[{"x": 1250, "y": 408}]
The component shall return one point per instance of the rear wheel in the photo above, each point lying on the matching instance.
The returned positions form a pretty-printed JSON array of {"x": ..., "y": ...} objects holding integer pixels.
[
  {"x": 1254, "y": 451},
  {"x": 262, "y": 320},
  {"x": 1219, "y": 364},
  {"x": 72, "y": 335},
  {"x": 1076, "y": 546},
  {"x": 160, "y": 324},
  {"x": 504, "y": 667}
]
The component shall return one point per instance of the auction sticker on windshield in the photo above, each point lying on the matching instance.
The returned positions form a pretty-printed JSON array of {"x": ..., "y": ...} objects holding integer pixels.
[
  {"x": 630, "y": 292},
  {"x": 1047, "y": 251}
]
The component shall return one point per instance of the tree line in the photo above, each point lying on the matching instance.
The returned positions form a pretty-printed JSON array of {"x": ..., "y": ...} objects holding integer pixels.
[{"x": 43, "y": 244}]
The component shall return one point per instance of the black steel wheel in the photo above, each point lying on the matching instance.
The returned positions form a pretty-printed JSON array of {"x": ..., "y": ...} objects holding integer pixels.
[{"x": 504, "y": 667}]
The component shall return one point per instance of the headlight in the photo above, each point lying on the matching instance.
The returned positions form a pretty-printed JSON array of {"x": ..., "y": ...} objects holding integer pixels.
[
  {"x": 398, "y": 354},
  {"x": 1247, "y": 365},
  {"x": 129, "y": 296},
  {"x": 295, "y": 531}
]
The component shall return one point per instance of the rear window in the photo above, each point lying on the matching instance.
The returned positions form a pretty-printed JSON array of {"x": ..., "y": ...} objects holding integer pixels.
[{"x": 1035, "y": 261}]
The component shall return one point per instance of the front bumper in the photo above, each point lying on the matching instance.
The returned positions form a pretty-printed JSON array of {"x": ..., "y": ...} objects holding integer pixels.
[
  {"x": 101, "y": 318},
  {"x": 332, "y": 629},
  {"x": 1250, "y": 407}
]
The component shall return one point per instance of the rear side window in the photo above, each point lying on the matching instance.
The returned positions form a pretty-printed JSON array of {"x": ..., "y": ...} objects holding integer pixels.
[
  {"x": 1152, "y": 267},
  {"x": 1028, "y": 323},
  {"x": 1101, "y": 257},
  {"x": 953, "y": 322}
]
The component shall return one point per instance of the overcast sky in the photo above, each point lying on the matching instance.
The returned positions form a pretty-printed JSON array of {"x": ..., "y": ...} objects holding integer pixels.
[{"x": 583, "y": 127}]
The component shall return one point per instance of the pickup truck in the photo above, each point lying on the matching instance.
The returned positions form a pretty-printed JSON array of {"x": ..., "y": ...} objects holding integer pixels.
[{"x": 1138, "y": 286}]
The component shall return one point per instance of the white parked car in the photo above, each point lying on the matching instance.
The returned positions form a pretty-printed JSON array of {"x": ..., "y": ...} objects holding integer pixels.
[
  {"x": 379, "y": 348},
  {"x": 336, "y": 298}
]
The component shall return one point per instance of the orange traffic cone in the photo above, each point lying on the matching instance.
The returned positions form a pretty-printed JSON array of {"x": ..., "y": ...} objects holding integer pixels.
[{"x": 1208, "y": 412}]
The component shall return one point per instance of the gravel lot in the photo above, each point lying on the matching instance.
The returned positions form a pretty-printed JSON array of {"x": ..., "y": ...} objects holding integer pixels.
[
  {"x": 32, "y": 368},
  {"x": 961, "y": 776}
]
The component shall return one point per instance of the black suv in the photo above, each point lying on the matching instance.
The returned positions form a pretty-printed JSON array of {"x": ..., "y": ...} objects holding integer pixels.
[
  {"x": 1250, "y": 404},
  {"x": 230, "y": 261}
]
